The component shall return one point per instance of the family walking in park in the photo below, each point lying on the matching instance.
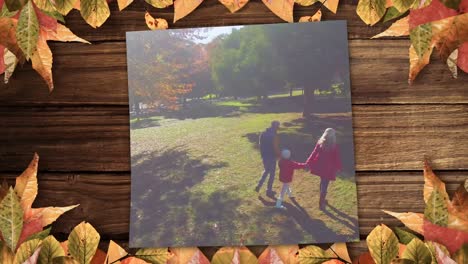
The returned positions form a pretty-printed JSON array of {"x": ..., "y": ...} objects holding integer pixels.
[{"x": 324, "y": 161}]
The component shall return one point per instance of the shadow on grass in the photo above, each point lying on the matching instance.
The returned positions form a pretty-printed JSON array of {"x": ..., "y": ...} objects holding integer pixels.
[
  {"x": 298, "y": 215},
  {"x": 144, "y": 122},
  {"x": 165, "y": 211}
]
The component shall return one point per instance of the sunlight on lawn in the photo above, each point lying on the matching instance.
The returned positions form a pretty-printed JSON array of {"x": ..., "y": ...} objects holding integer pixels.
[{"x": 215, "y": 179}]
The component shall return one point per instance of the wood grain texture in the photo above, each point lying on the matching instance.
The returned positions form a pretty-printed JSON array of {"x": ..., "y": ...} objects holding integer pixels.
[
  {"x": 97, "y": 74},
  {"x": 212, "y": 13},
  {"x": 104, "y": 198},
  {"x": 97, "y": 138},
  {"x": 81, "y": 129}
]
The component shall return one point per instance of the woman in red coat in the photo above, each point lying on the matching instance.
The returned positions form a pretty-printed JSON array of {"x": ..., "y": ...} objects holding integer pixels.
[{"x": 325, "y": 162}]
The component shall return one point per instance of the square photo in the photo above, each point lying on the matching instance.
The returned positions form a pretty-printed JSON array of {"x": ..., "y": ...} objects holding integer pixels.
[{"x": 241, "y": 135}]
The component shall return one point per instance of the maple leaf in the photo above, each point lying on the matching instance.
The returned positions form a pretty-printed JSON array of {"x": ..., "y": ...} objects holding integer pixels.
[
  {"x": 314, "y": 18},
  {"x": 433, "y": 12},
  {"x": 462, "y": 60},
  {"x": 27, "y": 31},
  {"x": 453, "y": 239},
  {"x": 233, "y": 5},
  {"x": 278, "y": 254},
  {"x": 449, "y": 34},
  {"x": 184, "y": 7},
  {"x": 155, "y": 23},
  {"x": 233, "y": 255},
  {"x": 281, "y": 8},
  {"x": 397, "y": 29},
  {"x": 34, "y": 219},
  {"x": 187, "y": 255},
  {"x": 413, "y": 221}
]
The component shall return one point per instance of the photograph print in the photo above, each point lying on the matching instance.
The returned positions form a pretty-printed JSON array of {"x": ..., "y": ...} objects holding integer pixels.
[{"x": 241, "y": 135}]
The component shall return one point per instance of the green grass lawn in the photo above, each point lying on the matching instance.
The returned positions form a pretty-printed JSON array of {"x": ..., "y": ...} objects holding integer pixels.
[{"x": 193, "y": 184}]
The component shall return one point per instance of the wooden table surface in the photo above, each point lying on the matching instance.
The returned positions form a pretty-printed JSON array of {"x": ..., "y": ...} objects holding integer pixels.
[{"x": 81, "y": 130}]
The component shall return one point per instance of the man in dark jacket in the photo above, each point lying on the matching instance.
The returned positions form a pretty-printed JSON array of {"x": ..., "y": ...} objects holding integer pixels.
[{"x": 269, "y": 149}]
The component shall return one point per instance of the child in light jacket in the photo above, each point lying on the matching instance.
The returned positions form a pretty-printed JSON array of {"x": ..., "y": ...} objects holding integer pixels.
[{"x": 287, "y": 168}]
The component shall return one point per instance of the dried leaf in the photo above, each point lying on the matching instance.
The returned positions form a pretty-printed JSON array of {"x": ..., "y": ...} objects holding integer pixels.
[
  {"x": 114, "y": 253},
  {"x": 15, "y": 5},
  {"x": 453, "y": 4},
  {"x": 451, "y": 33},
  {"x": 461, "y": 256},
  {"x": 26, "y": 184},
  {"x": 452, "y": 63},
  {"x": 29, "y": 228},
  {"x": 339, "y": 250},
  {"x": 63, "y": 34},
  {"x": 442, "y": 257},
  {"x": 417, "y": 63},
  {"x": 421, "y": 37},
  {"x": 403, "y": 5},
  {"x": 233, "y": 255},
  {"x": 48, "y": 215},
  {"x": 413, "y": 221},
  {"x": 83, "y": 242},
  {"x": 382, "y": 244},
  {"x": 39, "y": 235},
  {"x": 418, "y": 252},
  {"x": 187, "y": 255},
  {"x": 451, "y": 238},
  {"x": 94, "y": 12},
  {"x": 10, "y": 61},
  {"x": 282, "y": 8},
  {"x": 160, "y": 3},
  {"x": 8, "y": 28},
  {"x": 4, "y": 12},
  {"x": 275, "y": 254},
  {"x": 404, "y": 237},
  {"x": 315, "y": 18},
  {"x": 6, "y": 255},
  {"x": 462, "y": 60},
  {"x": 364, "y": 258},
  {"x": 42, "y": 62},
  {"x": 371, "y": 11},
  {"x": 99, "y": 257},
  {"x": 11, "y": 219},
  {"x": 331, "y": 5},
  {"x": 313, "y": 255},
  {"x": 392, "y": 13},
  {"x": 133, "y": 260},
  {"x": 233, "y": 5},
  {"x": 397, "y": 29},
  {"x": 433, "y": 12},
  {"x": 64, "y": 6},
  {"x": 123, "y": 4},
  {"x": 44, "y": 5},
  {"x": 306, "y": 2},
  {"x": 26, "y": 250},
  {"x": 64, "y": 260},
  {"x": 27, "y": 31},
  {"x": 155, "y": 23},
  {"x": 153, "y": 255},
  {"x": 436, "y": 209},
  {"x": 184, "y": 7},
  {"x": 50, "y": 249}
]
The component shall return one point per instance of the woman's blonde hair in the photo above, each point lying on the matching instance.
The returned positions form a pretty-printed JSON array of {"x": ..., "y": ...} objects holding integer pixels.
[{"x": 328, "y": 139}]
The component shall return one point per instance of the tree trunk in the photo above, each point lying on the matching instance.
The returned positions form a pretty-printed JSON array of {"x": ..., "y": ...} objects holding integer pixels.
[{"x": 308, "y": 101}]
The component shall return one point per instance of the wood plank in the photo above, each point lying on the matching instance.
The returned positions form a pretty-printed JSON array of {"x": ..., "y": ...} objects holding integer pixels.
[
  {"x": 392, "y": 137},
  {"x": 105, "y": 198},
  {"x": 96, "y": 74},
  {"x": 212, "y": 13}
]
